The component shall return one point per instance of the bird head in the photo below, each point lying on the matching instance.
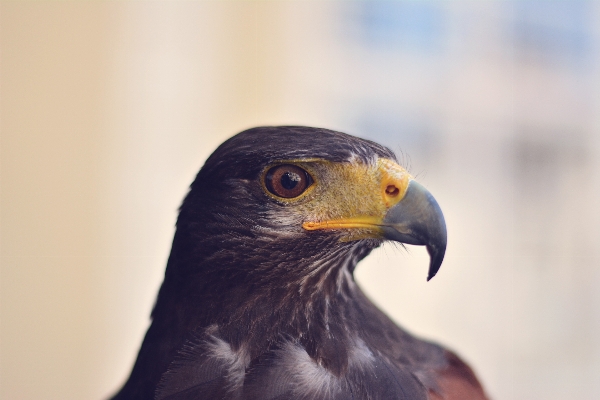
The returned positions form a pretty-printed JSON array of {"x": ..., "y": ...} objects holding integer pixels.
[{"x": 297, "y": 192}]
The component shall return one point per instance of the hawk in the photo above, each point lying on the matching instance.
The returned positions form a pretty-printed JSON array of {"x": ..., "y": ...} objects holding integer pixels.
[{"x": 259, "y": 299}]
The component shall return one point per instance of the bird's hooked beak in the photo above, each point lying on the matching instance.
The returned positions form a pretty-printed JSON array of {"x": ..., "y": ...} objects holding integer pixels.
[
  {"x": 417, "y": 219},
  {"x": 407, "y": 213}
]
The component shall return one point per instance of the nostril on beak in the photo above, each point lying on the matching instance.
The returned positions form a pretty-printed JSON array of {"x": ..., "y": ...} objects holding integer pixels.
[{"x": 392, "y": 191}]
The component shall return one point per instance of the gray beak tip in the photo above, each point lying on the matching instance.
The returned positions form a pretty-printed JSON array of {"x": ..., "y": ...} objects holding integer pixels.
[{"x": 436, "y": 257}]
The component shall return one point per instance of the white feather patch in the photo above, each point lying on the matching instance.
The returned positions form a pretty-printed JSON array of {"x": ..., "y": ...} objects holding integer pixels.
[
  {"x": 305, "y": 373},
  {"x": 360, "y": 355},
  {"x": 235, "y": 361}
]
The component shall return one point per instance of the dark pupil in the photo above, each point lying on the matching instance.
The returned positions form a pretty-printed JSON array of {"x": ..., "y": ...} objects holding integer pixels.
[{"x": 289, "y": 180}]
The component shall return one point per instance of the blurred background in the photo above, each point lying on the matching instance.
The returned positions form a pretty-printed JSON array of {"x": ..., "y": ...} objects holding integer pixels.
[{"x": 108, "y": 110}]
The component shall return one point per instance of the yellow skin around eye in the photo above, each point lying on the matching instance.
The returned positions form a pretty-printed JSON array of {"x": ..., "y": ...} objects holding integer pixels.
[{"x": 350, "y": 196}]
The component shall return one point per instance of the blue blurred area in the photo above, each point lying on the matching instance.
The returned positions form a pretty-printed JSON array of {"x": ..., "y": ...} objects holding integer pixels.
[
  {"x": 432, "y": 46},
  {"x": 412, "y": 26},
  {"x": 553, "y": 31}
]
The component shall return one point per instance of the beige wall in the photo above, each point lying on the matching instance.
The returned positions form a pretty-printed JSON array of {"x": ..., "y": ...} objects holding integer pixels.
[{"x": 109, "y": 109}]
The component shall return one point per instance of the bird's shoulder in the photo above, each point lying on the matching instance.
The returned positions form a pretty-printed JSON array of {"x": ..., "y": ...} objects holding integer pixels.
[
  {"x": 456, "y": 381},
  {"x": 381, "y": 362},
  {"x": 210, "y": 367}
]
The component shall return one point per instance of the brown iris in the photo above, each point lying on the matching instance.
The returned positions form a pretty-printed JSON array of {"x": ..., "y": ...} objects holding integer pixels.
[{"x": 287, "y": 181}]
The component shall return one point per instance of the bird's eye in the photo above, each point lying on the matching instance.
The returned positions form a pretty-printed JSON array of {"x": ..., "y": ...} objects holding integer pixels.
[{"x": 287, "y": 181}]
